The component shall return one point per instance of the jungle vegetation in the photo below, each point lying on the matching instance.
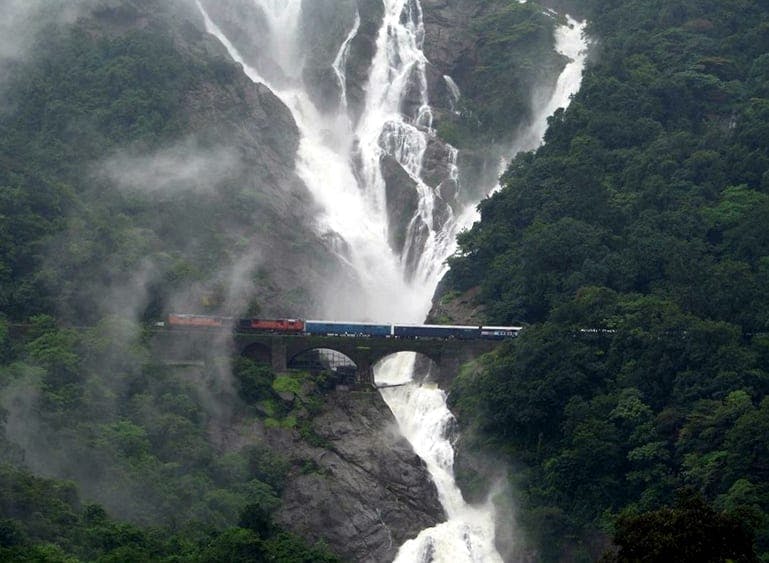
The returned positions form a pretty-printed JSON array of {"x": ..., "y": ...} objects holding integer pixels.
[
  {"x": 634, "y": 246},
  {"x": 106, "y": 452}
]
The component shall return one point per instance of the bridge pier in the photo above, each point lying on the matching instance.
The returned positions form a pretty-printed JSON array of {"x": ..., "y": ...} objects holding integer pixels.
[
  {"x": 279, "y": 355},
  {"x": 364, "y": 373}
]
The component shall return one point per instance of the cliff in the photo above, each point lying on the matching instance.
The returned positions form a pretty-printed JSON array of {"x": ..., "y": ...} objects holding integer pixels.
[{"x": 360, "y": 487}]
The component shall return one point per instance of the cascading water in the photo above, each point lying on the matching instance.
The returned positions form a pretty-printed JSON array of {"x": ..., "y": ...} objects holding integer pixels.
[
  {"x": 569, "y": 42},
  {"x": 340, "y": 63},
  {"x": 341, "y": 163},
  {"x": 425, "y": 421}
]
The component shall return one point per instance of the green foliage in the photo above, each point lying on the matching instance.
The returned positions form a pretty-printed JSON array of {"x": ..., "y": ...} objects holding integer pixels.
[
  {"x": 634, "y": 244},
  {"x": 287, "y": 383},
  {"x": 690, "y": 531},
  {"x": 143, "y": 430},
  {"x": 117, "y": 85},
  {"x": 119, "y": 82},
  {"x": 42, "y": 520},
  {"x": 255, "y": 379},
  {"x": 513, "y": 56}
]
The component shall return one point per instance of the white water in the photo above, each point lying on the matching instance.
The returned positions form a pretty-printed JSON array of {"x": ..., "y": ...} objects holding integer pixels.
[
  {"x": 425, "y": 421},
  {"x": 421, "y": 411},
  {"x": 570, "y": 42},
  {"x": 388, "y": 287}
]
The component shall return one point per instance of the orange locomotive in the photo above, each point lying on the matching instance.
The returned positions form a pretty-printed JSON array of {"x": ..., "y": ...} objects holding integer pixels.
[
  {"x": 272, "y": 325},
  {"x": 198, "y": 321}
]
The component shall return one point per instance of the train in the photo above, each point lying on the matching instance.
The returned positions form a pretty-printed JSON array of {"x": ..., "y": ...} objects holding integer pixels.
[{"x": 336, "y": 328}]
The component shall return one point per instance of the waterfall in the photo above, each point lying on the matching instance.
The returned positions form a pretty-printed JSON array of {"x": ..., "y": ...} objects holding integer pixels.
[
  {"x": 569, "y": 42},
  {"x": 341, "y": 163},
  {"x": 425, "y": 421},
  {"x": 421, "y": 410},
  {"x": 453, "y": 91},
  {"x": 340, "y": 64}
]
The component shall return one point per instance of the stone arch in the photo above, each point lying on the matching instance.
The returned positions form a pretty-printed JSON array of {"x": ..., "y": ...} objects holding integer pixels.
[
  {"x": 258, "y": 352},
  {"x": 320, "y": 358},
  {"x": 339, "y": 367},
  {"x": 425, "y": 366}
]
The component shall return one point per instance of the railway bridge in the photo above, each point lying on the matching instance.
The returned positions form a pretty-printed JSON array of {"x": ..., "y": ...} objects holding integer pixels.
[{"x": 281, "y": 350}]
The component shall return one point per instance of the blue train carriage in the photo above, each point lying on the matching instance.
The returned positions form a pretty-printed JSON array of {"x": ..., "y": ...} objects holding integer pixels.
[
  {"x": 499, "y": 332},
  {"x": 437, "y": 331},
  {"x": 329, "y": 328}
]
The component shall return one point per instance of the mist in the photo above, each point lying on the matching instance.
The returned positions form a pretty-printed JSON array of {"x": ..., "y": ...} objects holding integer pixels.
[
  {"x": 21, "y": 20},
  {"x": 261, "y": 203},
  {"x": 181, "y": 167}
]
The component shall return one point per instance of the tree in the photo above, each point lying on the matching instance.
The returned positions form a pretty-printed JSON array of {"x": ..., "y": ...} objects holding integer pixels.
[{"x": 689, "y": 532}]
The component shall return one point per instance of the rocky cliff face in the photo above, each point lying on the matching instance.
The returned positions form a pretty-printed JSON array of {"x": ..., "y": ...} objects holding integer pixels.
[
  {"x": 489, "y": 63},
  {"x": 361, "y": 488},
  {"x": 251, "y": 212}
]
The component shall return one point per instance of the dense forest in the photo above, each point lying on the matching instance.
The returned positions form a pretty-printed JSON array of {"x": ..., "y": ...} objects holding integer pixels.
[
  {"x": 140, "y": 442},
  {"x": 632, "y": 411},
  {"x": 633, "y": 245},
  {"x": 77, "y": 248}
]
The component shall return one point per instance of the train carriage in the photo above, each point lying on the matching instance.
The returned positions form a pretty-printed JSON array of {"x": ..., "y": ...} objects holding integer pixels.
[
  {"x": 328, "y": 328},
  {"x": 499, "y": 332},
  {"x": 334, "y": 328},
  {"x": 177, "y": 320},
  {"x": 271, "y": 325},
  {"x": 436, "y": 331}
]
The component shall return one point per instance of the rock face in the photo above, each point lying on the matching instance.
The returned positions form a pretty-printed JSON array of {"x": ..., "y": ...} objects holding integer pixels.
[
  {"x": 363, "y": 490},
  {"x": 325, "y": 26},
  {"x": 458, "y": 309},
  {"x": 362, "y": 51},
  {"x": 269, "y": 229},
  {"x": 402, "y": 201}
]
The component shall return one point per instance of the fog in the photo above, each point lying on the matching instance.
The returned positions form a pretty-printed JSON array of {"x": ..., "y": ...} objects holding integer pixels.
[
  {"x": 277, "y": 211},
  {"x": 182, "y": 167},
  {"x": 21, "y": 20}
]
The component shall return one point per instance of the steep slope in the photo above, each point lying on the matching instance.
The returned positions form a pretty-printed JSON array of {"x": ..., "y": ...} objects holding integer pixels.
[
  {"x": 144, "y": 172},
  {"x": 170, "y": 184},
  {"x": 169, "y": 176},
  {"x": 632, "y": 244}
]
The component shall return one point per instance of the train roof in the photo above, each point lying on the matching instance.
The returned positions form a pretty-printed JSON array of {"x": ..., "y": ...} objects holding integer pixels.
[
  {"x": 473, "y": 327},
  {"x": 348, "y": 323}
]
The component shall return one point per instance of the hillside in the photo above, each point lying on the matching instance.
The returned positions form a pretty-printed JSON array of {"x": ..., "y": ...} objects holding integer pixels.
[
  {"x": 143, "y": 171},
  {"x": 633, "y": 246}
]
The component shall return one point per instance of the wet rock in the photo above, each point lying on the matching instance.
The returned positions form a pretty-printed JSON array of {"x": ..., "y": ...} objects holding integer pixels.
[
  {"x": 456, "y": 308},
  {"x": 402, "y": 201},
  {"x": 325, "y": 25},
  {"x": 287, "y": 397},
  {"x": 245, "y": 24},
  {"x": 436, "y": 164},
  {"x": 480, "y": 167},
  {"x": 323, "y": 85},
  {"x": 368, "y": 491},
  {"x": 362, "y": 51},
  {"x": 412, "y": 97}
]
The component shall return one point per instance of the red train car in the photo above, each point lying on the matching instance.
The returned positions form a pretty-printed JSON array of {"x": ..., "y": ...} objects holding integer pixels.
[
  {"x": 272, "y": 325},
  {"x": 198, "y": 321}
]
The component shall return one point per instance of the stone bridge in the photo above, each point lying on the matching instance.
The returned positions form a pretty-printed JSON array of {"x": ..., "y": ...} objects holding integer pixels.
[{"x": 279, "y": 350}]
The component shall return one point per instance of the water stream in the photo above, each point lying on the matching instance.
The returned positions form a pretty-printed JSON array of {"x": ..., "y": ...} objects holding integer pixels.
[{"x": 340, "y": 161}]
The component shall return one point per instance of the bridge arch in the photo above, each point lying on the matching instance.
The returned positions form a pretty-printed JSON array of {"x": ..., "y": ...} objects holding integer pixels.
[
  {"x": 390, "y": 367},
  {"x": 363, "y": 352},
  {"x": 320, "y": 359},
  {"x": 258, "y": 352}
]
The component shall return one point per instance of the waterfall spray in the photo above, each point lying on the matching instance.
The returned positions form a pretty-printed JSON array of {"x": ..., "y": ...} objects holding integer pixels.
[{"x": 341, "y": 164}]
